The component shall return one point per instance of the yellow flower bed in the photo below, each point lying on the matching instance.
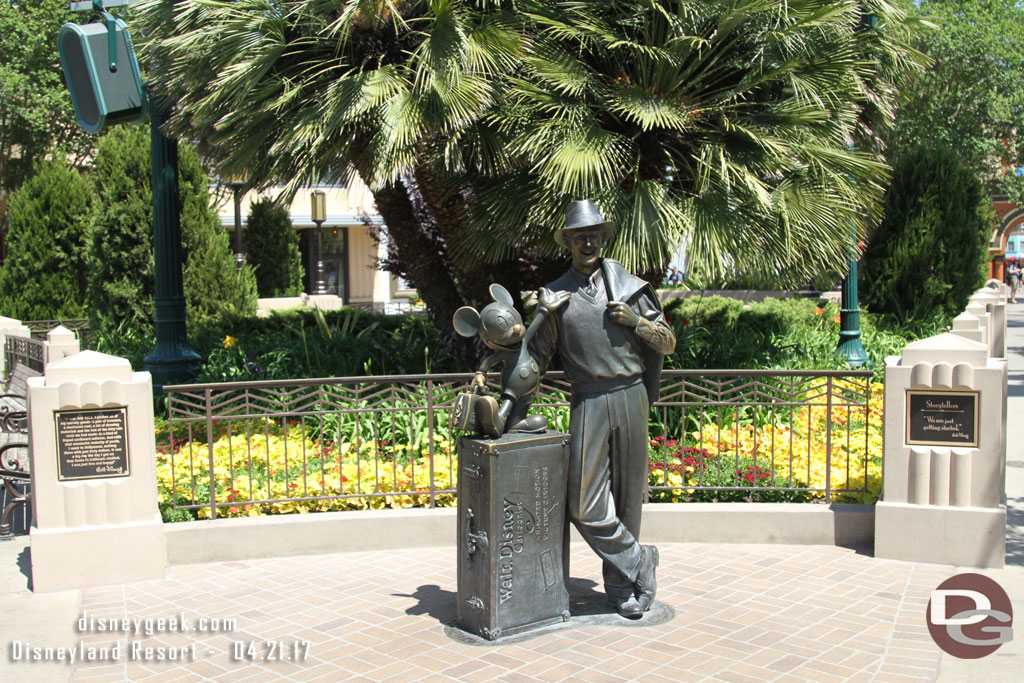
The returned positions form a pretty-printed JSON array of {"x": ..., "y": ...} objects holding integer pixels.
[
  {"x": 283, "y": 469},
  {"x": 856, "y": 446},
  {"x": 283, "y": 465}
]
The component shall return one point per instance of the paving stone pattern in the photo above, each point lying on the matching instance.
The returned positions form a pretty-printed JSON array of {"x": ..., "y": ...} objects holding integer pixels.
[{"x": 743, "y": 613}]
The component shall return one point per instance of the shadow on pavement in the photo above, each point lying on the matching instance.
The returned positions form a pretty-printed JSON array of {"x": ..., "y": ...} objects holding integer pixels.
[
  {"x": 1015, "y": 531},
  {"x": 433, "y": 601},
  {"x": 25, "y": 566}
]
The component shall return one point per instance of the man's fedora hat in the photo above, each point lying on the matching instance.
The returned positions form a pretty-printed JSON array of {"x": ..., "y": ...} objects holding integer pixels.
[{"x": 583, "y": 214}]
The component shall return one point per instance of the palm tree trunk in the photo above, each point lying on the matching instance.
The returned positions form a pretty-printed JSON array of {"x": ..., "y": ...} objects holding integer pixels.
[
  {"x": 447, "y": 208},
  {"x": 423, "y": 259}
]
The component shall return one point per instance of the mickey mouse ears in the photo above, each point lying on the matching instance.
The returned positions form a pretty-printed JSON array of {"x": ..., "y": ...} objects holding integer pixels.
[
  {"x": 466, "y": 320},
  {"x": 500, "y": 294}
]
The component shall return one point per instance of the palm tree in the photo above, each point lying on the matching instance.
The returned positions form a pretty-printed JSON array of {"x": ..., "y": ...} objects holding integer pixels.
[
  {"x": 719, "y": 125},
  {"x": 722, "y": 126}
]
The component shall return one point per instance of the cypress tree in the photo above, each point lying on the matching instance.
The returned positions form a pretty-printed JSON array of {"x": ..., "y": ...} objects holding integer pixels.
[
  {"x": 214, "y": 286},
  {"x": 121, "y": 266},
  {"x": 928, "y": 254},
  {"x": 272, "y": 248},
  {"x": 44, "y": 276}
]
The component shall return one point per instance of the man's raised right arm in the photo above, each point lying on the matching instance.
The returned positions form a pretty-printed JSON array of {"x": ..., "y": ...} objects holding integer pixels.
[{"x": 545, "y": 339}]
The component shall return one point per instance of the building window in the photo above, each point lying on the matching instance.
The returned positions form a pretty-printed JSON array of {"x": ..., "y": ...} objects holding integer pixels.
[{"x": 336, "y": 261}]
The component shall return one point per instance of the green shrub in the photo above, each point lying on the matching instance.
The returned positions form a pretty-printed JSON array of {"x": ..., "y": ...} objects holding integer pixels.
[
  {"x": 795, "y": 334},
  {"x": 308, "y": 343},
  {"x": 125, "y": 341},
  {"x": 121, "y": 249},
  {"x": 927, "y": 256},
  {"x": 272, "y": 249},
  {"x": 44, "y": 276},
  {"x": 712, "y": 333}
]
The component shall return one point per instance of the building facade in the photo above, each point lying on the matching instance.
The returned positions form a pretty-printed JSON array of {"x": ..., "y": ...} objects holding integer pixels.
[{"x": 352, "y": 244}]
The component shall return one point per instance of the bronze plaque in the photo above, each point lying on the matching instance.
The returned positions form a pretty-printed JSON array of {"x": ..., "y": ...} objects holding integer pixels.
[
  {"x": 942, "y": 418},
  {"x": 92, "y": 443}
]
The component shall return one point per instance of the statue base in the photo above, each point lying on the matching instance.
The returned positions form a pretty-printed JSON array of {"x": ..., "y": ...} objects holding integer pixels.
[
  {"x": 511, "y": 569},
  {"x": 591, "y": 613}
]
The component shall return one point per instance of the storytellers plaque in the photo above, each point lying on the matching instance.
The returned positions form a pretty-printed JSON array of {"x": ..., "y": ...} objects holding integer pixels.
[
  {"x": 92, "y": 443},
  {"x": 942, "y": 418}
]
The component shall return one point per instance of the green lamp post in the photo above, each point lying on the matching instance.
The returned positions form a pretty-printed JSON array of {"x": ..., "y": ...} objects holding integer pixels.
[
  {"x": 850, "y": 348},
  {"x": 103, "y": 78},
  {"x": 171, "y": 360}
]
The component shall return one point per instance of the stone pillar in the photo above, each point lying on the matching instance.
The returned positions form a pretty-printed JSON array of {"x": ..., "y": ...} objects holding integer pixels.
[
  {"x": 325, "y": 302},
  {"x": 969, "y": 327},
  {"x": 94, "y": 507},
  {"x": 980, "y": 311},
  {"x": 9, "y": 327},
  {"x": 999, "y": 286},
  {"x": 995, "y": 306},
  {"x": 945, "y": 455},
  {"x": 382, "y": 279},
  {"x": 60, "y": 343}
]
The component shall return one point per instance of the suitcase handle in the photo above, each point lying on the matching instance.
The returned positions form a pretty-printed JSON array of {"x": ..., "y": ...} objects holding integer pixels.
[{"x": 474, "y": 540}]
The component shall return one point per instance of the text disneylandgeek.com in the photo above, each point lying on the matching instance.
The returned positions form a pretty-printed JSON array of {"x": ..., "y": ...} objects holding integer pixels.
[{"x": 135, "y": 649}]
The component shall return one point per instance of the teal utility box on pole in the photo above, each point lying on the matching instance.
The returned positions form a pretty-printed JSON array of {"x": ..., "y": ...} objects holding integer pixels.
[{"x": 102, "y": 74}]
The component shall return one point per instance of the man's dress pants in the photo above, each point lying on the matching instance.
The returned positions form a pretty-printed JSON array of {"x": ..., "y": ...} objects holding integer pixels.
[{"x": 607, "y": 477}]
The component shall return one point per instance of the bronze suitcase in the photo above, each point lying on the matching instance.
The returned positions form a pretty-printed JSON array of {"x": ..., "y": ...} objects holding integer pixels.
[
  {"x": 464, "y": 413},
  {"x": 511, "y": 520}
]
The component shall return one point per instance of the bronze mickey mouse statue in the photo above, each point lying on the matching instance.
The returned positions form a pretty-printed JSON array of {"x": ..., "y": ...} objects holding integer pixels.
[{"x": 501, "y": 328}]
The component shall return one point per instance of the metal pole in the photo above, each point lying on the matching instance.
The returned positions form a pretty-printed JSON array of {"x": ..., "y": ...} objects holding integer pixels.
[
  {"x": 850, "y": 348},
  {"x": 239, "y": 250},
  {"x": 171, "y": 360},
  {"x": 321, "y": 286}
]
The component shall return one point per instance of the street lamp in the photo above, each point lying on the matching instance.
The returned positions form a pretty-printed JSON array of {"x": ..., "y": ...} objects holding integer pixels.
[
  {"x": 103, "y": 94},
  {"x": 319, "y": 212},
  {"x": 850, "y": 348},
  {"x": 236, "y": 182}
]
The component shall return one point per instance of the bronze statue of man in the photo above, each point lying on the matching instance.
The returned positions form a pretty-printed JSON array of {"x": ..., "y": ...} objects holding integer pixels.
[{"x": 611, "y": 337}]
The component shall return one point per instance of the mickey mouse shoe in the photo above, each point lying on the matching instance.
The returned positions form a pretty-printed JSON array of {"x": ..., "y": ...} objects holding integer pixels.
[{"x": 487, "y": 416}]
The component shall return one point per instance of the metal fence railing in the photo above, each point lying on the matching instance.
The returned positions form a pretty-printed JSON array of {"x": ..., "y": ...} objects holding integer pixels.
[
  {"x": 24, "y": 350},
  {"x": 357, "y": 442},
  {"x": 39, "y": 328}
]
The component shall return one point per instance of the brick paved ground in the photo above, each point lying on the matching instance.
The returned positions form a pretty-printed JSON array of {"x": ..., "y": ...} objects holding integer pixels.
[{"x": 743, "y": 613}]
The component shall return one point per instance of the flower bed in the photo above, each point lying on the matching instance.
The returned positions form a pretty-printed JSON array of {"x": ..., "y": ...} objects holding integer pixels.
[
  {"x": 766, "y": 459},
  {"x": 763, "y": 458},
  {"x": 285, "y": 467}
]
